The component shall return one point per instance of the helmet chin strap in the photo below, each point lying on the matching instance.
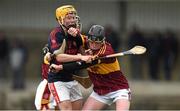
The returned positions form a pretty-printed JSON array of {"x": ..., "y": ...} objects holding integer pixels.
[{"x": 63, "y": 26}]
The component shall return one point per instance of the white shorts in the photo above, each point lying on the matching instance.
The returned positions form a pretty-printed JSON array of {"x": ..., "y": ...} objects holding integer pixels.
[
  {"x": 65, "y": 91},
  {"x": 40, "y": 98},
  {"x": 112, "y": 96}
]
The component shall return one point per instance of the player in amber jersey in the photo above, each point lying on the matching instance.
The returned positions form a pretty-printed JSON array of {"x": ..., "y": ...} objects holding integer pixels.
[{"x": 109, "y": 83}]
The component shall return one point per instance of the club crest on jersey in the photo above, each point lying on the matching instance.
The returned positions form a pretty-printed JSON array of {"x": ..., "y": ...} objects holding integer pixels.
[{"x": 54, "y": 43}]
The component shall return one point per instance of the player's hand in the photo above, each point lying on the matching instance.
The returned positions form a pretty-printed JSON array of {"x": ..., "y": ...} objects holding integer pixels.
[
  {"x": 73, "y": 31},
  {"x": 87, "y": 58},
  {"x": 55, "y": 68}
]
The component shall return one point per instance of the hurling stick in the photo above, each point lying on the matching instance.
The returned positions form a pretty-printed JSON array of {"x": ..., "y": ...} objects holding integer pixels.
[
  {"x": 136, "y": 50},
  {"x": 61, "y": 50}
]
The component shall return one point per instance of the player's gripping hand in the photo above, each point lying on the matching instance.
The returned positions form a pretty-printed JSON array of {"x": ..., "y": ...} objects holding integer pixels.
[
  {"x": 87, "y": 58},
  {"x": 73, "y": 31},
  {"x": 55, "y": 68}
]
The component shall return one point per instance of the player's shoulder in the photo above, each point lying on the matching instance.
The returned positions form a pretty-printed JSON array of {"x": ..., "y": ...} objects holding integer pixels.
[
  {"x": 84, "y": 36},
  {"x": 109, "y": 48},
  {"x": 108, "y": 45},
  {"x": 56, "y": 30},
  {"x": 84, "y": 39}
]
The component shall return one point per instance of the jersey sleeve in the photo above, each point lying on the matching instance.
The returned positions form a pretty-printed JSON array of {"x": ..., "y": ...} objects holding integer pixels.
[
  {"x": 55, "y": 39},
  {"x": 79, "y": 40}
]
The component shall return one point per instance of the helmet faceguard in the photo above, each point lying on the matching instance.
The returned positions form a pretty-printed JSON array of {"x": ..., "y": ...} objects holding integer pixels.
[
  {"x": 96, "y": 37},
  {"x": 96, "y": 34},
  {"x": 79, "y": 24}
]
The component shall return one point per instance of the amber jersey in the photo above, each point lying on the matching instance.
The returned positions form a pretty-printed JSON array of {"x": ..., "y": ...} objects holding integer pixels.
[
  {"x": 55, "y": 40},
  {"x": 107, "y": 76}
]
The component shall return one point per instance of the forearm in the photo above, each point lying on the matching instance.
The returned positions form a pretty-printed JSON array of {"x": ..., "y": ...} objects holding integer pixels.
[
  {"x": 67, "y": 58},
  {"x": 78, "y": 65},
  {"x": 70, "y": 66},
  {"x": 73, "y": 66}
]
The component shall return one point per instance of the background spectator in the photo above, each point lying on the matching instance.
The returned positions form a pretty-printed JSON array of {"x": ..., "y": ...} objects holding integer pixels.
[
  {"x": 18, "y": 59},
  {"x": 3, "y": 55},
  {"x": 136, "y": 37},
  {"x": 170, "y": 53},
  {"x": 112, "y": 37},
  {"x": 154, "y": 54}
]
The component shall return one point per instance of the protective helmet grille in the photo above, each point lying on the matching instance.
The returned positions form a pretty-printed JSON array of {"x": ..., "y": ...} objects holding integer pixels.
[{"x": 96, "y": 33}]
